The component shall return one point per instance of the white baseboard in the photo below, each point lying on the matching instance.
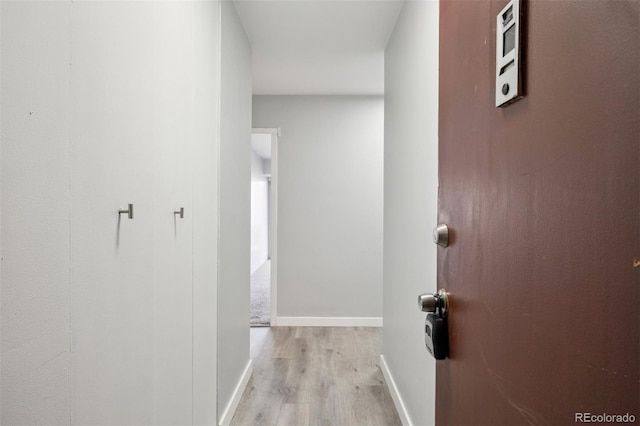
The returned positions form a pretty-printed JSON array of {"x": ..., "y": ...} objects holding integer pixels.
[
  {"x": 328, "y": 322},
  {"x": 230, "y": 410},
  {"x": 395, "y": 395}
]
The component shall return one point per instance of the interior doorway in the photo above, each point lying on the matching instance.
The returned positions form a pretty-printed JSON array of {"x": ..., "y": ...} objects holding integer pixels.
[{"x": 263, "y": 226}]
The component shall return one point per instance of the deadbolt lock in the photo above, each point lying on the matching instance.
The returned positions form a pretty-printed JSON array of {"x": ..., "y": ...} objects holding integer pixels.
[{"x": 441, "y": 235}]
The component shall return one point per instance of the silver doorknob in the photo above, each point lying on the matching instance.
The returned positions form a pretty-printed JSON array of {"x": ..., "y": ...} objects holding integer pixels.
[
  {"x": 427, "y": 302},
  {"x": 441, "y": 235},
  {"x": 438, "y": 302}
]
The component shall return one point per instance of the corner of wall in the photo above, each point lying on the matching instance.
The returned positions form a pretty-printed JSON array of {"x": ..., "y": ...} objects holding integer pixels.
[
  {"x": 236, "y": 396},
  {"x": 234, "y": 205},
  {"x": 206, "y": 194},
  {"x": 395, "y": 393}
]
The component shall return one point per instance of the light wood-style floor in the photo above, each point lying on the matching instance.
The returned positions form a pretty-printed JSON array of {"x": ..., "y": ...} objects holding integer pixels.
[{"x": 316, "y": 376}]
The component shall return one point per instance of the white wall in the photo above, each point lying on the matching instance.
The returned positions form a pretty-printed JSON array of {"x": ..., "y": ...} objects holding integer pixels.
[
  {"x": 107, "y": 320},
  {"x": 206, "y": 167},
  {"x": 410, "y": 204},
  {"x": 235, "y": 207},
  {"x": 259, "y": 213},
  {"x": 330, "y": 174},
  {"x": 1, "y": 252},
  {"x": 36, "y": 317}
]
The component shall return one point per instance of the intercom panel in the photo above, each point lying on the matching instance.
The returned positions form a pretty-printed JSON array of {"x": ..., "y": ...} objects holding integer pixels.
[{"x": 508, "y": 40}]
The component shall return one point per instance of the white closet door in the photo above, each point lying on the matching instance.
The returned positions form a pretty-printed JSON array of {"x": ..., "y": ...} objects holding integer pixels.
[
  {"x": 112, "y": 97},
  {"x": 173, "y": 141}
]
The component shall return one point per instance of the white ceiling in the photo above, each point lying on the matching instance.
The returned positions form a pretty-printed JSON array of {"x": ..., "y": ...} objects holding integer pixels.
[{"x": 318, "y": 46}]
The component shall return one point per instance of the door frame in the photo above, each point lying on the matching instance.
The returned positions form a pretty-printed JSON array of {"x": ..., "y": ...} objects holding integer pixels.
[{"x": 273, "y": 217}]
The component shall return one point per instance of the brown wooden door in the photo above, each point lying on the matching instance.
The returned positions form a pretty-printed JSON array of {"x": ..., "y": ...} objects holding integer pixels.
[{"x": 542, "y": 199}]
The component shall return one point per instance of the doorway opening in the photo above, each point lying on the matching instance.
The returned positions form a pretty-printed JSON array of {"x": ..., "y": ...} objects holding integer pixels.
[{"x": 263, "y": 227}]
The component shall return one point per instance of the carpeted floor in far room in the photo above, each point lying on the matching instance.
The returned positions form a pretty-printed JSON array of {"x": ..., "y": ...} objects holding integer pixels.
[{"x": 261, "y": 296}]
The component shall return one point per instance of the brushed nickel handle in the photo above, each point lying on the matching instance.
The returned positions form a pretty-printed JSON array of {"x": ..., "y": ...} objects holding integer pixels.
[{"x": 128, "y": 211}]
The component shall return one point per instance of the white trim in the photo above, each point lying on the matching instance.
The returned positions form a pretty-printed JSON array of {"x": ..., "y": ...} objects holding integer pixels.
[
  {"x": 226, "y": 417},
  {"x": 395, "y": 395},
  {"x": 329, "y": 321},
  {"x": 273, "y": 226}
]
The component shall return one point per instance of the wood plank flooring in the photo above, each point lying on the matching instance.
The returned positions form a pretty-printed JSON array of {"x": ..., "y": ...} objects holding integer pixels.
[{"x": 316, "y": 376}]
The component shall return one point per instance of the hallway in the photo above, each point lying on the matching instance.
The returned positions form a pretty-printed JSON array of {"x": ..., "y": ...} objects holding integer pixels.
[
  {"x": 261, "y": 296},
  {"x": 125, "y": 211},
  {"x": 316, "y": 375}
]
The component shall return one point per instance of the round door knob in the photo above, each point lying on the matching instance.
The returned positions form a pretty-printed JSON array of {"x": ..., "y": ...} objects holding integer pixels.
[
  {"x": 441, "y": 235},
  {"x": 435, "y": 303},
  {"x": 427, "y": 302}
]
